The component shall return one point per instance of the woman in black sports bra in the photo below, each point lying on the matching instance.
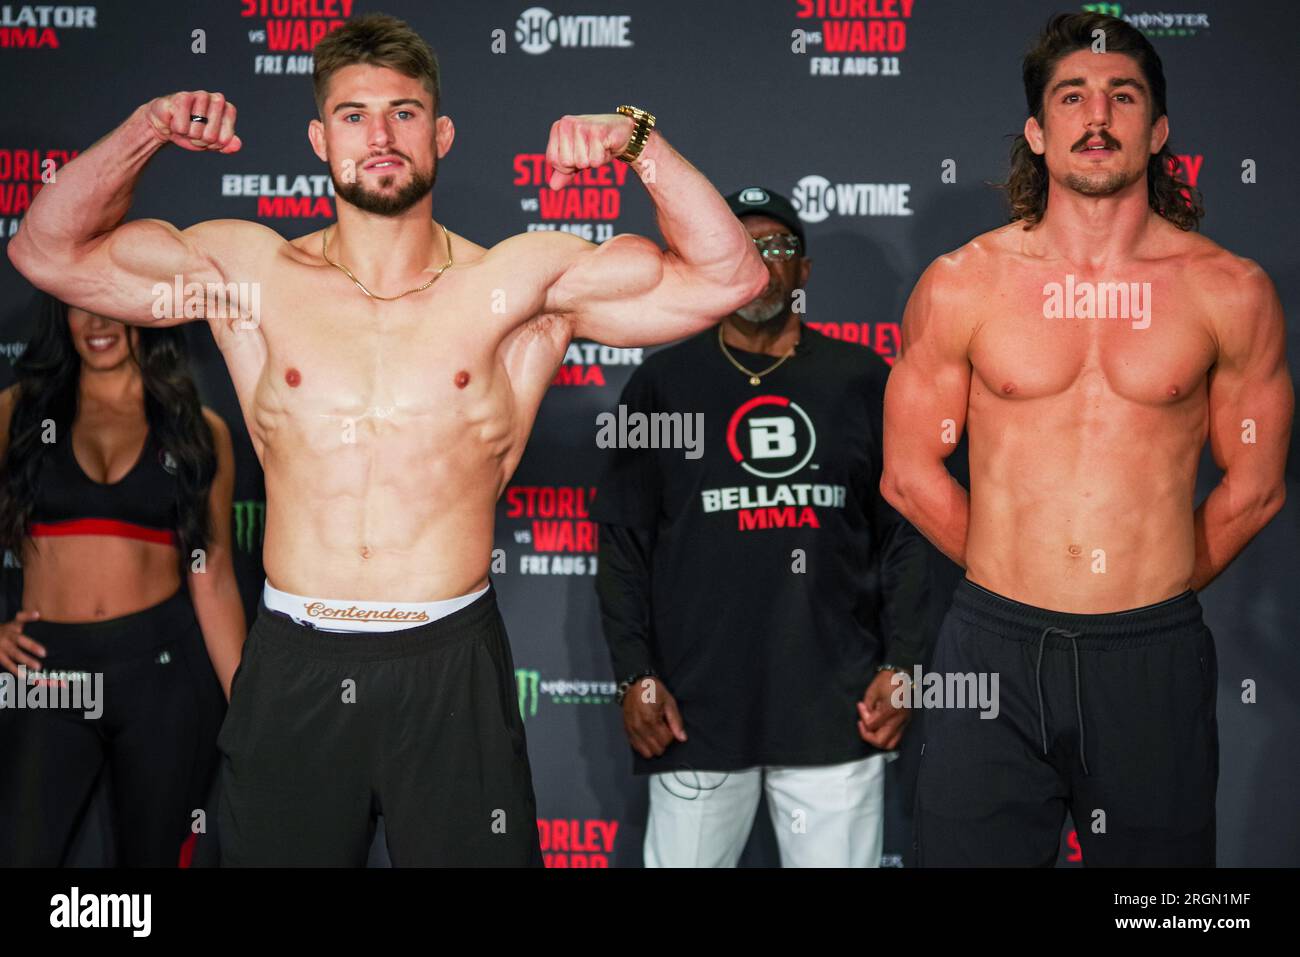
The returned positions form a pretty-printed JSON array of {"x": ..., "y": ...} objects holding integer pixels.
[{"x": 115, "y": 484}]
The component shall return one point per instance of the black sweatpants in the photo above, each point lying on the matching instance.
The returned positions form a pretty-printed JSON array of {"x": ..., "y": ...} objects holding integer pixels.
[
  {"x": 1111, "y": 716},
  {"x": 161, "y": 709},
  {"x": 326, "y": 731}
]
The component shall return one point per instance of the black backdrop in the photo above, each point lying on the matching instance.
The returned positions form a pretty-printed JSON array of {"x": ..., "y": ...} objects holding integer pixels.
[{"x": 860, "y": 129}]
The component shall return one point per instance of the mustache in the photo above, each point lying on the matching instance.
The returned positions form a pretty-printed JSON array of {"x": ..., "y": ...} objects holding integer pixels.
[{"x": 1107, "y": 140}]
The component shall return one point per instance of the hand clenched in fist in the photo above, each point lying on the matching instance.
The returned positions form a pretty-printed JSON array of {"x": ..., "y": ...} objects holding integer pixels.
[
  {"x": 173, "y": 121},
  {"x": 585, "y": 142}
]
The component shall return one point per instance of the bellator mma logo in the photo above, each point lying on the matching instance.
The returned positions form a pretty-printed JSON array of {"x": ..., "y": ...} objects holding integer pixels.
[
  {"x": 283, "y": 195},
  {"x": 584, "y": 363},
  {"x": 31, "y": 26},
  {"x": 779, "y": 440},
  {"x": 775, "y": 438}
]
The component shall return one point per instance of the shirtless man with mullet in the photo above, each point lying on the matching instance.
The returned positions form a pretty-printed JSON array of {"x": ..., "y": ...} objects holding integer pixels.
[
  {"x": 1082, "y": 550},
  {"x": 388, "y": 421}
]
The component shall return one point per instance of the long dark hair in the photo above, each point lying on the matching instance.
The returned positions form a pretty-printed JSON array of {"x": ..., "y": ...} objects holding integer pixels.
[
  {"x": 1026, "y": 187},
  {"x": 49, "y": 372}
]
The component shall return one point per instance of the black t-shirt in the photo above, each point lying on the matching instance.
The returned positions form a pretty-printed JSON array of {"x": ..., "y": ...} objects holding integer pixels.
[{"x": 764, "y": 594}]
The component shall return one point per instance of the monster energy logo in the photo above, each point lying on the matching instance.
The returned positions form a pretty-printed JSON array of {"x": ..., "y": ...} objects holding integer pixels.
[
  {"x": 527, "y": 682},
  {"x": 250, "y": 523},
  {"x": 1156, "y": 24}
]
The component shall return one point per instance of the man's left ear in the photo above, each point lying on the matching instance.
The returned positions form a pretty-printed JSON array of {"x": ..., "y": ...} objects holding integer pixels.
[
  {"x": 805, "y": 267},
  {"x": 444, "y": 131},
  {"x": 1033, "y": 133},
  {"x": 316, "y": 136},
  {"x": 1159, "y": 134}
]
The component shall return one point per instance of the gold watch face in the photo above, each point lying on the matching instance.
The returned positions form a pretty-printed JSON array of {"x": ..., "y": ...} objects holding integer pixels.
[{"x": 636, "y": 114}]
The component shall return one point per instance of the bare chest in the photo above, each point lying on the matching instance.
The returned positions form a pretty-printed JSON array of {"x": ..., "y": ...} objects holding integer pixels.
[
  {"x": 1139, "y": 336},
  {"x": 337, "y": 362}
]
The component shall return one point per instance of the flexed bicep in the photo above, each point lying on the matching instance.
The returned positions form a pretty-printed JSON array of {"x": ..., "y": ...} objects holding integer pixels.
[{"x": 629, "y": 292}]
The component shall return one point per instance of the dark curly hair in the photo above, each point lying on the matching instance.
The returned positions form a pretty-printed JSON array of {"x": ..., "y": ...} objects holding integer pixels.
[
  {"x": 48, "y": 373},
  {"x": 1026, "y": 186}
]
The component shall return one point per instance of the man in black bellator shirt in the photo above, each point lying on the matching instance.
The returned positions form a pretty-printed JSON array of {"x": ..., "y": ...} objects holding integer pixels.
[{"x": 758, "y": 598}]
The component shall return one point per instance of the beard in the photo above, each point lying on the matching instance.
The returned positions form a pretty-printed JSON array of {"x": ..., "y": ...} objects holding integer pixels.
[
  {"x": 1099, "y": 184},
  {"x": 387, "y": 204},
  {"x": 763, "y": 309}
]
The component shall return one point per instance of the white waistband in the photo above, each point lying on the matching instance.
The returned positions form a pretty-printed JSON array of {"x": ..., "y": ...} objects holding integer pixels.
[{"x": 354, "y": 616}]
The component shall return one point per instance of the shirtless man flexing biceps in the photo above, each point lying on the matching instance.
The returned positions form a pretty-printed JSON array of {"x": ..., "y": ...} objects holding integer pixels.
[
  {"x": 1083, "y": 551},
  {"x": 388, "y": 396}
]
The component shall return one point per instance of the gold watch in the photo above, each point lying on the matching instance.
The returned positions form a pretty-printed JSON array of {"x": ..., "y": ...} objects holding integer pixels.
[{"x": 645, "y": 122}]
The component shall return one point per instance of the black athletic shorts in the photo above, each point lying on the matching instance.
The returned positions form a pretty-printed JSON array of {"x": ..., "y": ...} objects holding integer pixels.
[
  {"x": 1109, "y": 716},
  {"x": 326, "y": 731}
]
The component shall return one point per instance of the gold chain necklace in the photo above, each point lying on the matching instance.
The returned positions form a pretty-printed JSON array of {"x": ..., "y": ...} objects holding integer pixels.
[
  {"x": 324, "y": 245},
  {"x": 754, "y": 377}
]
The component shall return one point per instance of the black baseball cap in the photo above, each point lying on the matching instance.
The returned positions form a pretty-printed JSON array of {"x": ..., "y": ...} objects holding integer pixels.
[{"x": 761, "y": 201}]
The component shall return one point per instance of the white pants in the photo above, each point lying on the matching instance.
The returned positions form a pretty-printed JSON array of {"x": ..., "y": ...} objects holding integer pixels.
[{"x": 827, "y": 816}]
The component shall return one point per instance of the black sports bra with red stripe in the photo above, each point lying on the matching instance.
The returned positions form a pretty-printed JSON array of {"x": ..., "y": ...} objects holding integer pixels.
[{"x": 143, "y": 504}]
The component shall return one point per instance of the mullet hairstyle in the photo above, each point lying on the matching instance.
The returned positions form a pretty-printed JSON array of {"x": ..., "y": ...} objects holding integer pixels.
[{"x": 1026, "y": 186}]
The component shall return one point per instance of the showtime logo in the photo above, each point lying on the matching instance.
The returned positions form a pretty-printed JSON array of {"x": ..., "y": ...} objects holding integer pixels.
[
  {"x": 816, "y": 197},
  {"x": 537, "y": 30}
]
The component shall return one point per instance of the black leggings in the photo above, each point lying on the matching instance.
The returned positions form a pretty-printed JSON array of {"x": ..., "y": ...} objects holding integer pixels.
[{"x": 161, "y": 709}]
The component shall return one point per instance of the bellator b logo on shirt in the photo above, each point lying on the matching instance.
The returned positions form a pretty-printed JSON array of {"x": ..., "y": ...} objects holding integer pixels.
[
  {"x": 777, "y": 435},
  {"x": 772, "y": 437}
]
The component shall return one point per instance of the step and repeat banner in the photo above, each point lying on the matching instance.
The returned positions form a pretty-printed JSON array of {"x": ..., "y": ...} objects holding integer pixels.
[{"x": 885, "y": 121}]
